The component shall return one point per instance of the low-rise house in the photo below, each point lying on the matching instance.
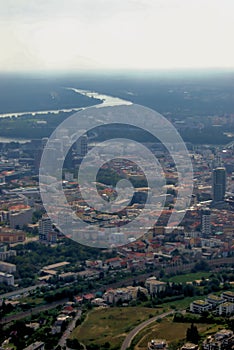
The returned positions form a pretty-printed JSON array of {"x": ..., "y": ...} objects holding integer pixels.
[
  {"x": 157, "y": 344},
  {"x": 89, "y": 274},
  {"x": 33, "y": 325},
  {"x": 88, "y": 297},
  {"x": 98, "y": 302},
  {"x": 114, "y": 262},
  {"x": 78, "y": 299},
  {"x": 189, "y": 346}
]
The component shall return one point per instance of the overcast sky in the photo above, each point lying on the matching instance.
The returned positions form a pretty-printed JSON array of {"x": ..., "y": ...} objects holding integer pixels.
[{"x": 106, "y": 34}]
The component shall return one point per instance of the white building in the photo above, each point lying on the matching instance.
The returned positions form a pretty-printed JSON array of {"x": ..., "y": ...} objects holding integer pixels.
[
  {"x": 7, "y": 278},
  {"x": 7, "y": 267},
  {"x": 228, "y": 296},
  {"x": 157, "y": 344},
  {"x": 200, "y": 306},
  {"x": 214, "y": 300},
  {"x": 21, "y": 217},
  {"x": 124, "y": 294},
  {"x": 154, "y": 286},
  {"x": 226, "y": 309}
]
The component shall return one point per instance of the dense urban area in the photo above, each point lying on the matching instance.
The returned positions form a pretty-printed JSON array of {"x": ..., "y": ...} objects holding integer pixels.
[{"x": 173, "y": 288}]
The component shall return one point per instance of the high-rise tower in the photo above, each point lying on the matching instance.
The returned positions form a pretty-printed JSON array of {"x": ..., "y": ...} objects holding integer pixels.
[
  {"x": 205, "y": 222},
  {"x": 82, "y": 146},
  {"x": 45, "y": 227},
  {"x": 219, "y": 184}
]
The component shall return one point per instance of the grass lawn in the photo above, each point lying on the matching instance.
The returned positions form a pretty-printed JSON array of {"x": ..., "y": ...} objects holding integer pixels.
[
  {"x": 180, "y": 304},
  {"x": 37, "y": 301},
  {"x": 169, "y": 330},
  {"x": 9, "y": 346},
  {"x": 188, "y": 277},
  {"x": 111, "y": 324}
]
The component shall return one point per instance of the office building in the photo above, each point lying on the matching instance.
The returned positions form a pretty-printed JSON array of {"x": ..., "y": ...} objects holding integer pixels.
[
  {"x": 219, "y": 184},
  {"x": 45, "y": 227}
]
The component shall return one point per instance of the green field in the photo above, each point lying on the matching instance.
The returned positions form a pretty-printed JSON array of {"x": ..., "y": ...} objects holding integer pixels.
[
  {"x": 169, "y": 330},
  {"x": 111, "y": 324},
  {"x": 188, "y": 277},
  {"x": 180, "y": 304}
]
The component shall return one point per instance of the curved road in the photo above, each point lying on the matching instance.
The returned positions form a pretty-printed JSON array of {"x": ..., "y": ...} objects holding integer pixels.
[{"x": 137, "y": 329}]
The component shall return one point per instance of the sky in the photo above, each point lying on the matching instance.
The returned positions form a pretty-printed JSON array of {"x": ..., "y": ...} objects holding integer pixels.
[{"x": 115, "y": 34}]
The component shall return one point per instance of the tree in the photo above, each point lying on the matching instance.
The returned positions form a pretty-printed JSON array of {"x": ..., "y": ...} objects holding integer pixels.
[
  {"x": 192, "y": 334},
  {"x": 74, "y": 344},
  {"x": 141, "y": 295}
]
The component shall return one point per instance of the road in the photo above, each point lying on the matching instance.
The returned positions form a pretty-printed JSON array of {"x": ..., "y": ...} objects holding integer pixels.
[
  {"x": 137, "y": 329},
  {"x": 71, "y": 326},
  {"x": 22, "y": 291},
  {"x": 129, "y": 280},
  {"x": 35, "y": 310}
]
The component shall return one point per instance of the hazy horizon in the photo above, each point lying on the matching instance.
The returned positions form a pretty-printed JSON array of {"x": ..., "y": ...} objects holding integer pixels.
[{"x": 76, "y": 35}]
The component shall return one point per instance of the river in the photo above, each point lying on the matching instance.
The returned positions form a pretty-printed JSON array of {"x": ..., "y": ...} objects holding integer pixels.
[{"x": 106, "y": 101}]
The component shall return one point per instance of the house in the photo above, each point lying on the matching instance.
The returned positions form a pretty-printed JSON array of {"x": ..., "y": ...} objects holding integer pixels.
[
  {"x": 78, "y": 299},
  {"x": 114, "y": 262},
  {"x": 98, "y": 302},
  {"x": 157, "y": 344},
  {"x": 189, "y": 346},
  {"x": 88, "y": 297}
]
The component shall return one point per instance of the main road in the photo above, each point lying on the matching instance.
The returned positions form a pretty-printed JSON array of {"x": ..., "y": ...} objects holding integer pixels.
[{"x": 137, "y": 329}]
